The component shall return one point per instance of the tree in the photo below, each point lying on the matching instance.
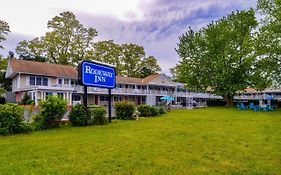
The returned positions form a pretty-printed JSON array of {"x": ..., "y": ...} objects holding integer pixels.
[
  {"x": 268, "y": 42},
  {"x": 5, "y": 84},
  {"x": 109, "y": 52},
  {"x": 129, "y": 59},
  {"x": 32, "y": 50},
  {"x": 67, "y": 42},
  {"x": 221, "y": 56},
  {"x": 4, "y": 30},
  {"x": 132, "y": 55},
  {"x": 148, "y": 67}
]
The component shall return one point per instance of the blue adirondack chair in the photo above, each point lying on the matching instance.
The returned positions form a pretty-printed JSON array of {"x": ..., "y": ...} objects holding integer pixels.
[
  {"x": 252, "y": 106},
  {"x": 242, "y": 106},
  {"x": 257, "y": 108}
]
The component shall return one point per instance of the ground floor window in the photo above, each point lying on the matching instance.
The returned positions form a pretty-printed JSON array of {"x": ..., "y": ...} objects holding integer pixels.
[
  {"x": 76, "y": 97},
  {"x": 104, "y": 98}
]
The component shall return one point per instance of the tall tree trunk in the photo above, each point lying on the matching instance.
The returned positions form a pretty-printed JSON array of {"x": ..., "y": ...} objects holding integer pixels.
[{"x": 229, "y": 100}]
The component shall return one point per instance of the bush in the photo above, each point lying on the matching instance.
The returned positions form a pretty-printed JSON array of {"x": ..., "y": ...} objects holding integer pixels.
[
  {"x": 37, "y": 122},
  {"x": 80, "y": 115},
  {"x": 146, "y": 111},
  {"x": 99, "y": 115},
  {"x": 124, "y": 110},
  {"x": 162, "y": 111},
  {"x": 52, "y": 111},
  {"x": 25, "y": 99},
  {"x": 154, "y": 111},
  {"x": 11, "y": 119}
]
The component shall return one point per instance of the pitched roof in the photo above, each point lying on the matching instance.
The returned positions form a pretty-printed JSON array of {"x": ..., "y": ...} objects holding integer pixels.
[
  {"x": 39, "y": 68},
  {"x": 250, "y": 90},
  {"x": 57, "y": 70},
  {"x": 130, "y": 80},
  {"x": 150, "y": 78}
]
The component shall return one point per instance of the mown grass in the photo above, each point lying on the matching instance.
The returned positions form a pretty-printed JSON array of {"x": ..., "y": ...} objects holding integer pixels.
[{"x": 200, "y": 141}]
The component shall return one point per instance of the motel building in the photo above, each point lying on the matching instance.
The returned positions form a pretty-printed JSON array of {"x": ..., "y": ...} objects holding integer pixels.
[{"x": 40, "y": 80}]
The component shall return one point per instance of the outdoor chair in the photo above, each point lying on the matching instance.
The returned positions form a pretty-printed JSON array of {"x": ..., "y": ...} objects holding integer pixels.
[
  {"x": 242, "y": 106},
  {"x": 252, "y": 106}
]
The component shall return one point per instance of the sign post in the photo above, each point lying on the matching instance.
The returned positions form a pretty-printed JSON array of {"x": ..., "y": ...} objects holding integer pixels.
[{"x": 96, "y": 74}]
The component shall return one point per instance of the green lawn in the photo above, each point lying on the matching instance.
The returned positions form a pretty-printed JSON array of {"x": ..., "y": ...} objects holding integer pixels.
[{"x": 200, "y": 141}]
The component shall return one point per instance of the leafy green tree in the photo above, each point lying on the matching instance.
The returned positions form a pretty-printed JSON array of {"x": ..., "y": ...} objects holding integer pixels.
[
  {"x": 32, "y": 50},
  {"x": 132, "y": 55},
  {"x": 4, "y": 30},
  {"x": 67, "y": 42},
  {"x": 109, "y": 52},
  {"x": 149, "y": 66},
  {"x": 129, "y": 59},
  {"x": 221, "y": 56},
  {"x": 268, "y": 42}
]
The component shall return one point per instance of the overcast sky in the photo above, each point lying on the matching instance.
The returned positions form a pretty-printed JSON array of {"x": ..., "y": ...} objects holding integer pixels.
[{"x": 154, "y": 24}]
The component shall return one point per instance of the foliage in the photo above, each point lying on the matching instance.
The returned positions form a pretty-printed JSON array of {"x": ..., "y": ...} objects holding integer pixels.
[
  {"x": 26, "y": 100},
  {"x": 109, "y": 52},
  {"x": 80, "y": 116},
  {"x": 162, "y": 111},
  {"x": 2, "y": 91},
  {"x": 4, "y": 30},
  {"x": 221, "y": 56},
  {"x": 129, "y": 59},
  {"x": 148, "y": 67},
  {"x": 99, "y": 115},
  {"x": 5, "y": 83},
  {"x": 154, "y": 111},
  {"x": 52, "y": 111},
  {"x": 11, "y": 119},
  {"x": 146, "y": 111},
  {"x": 268, "y": 47},
  {"x": 67, "y": 42},
  {"x": 124, "y": 110},
  {"x": 37, "y": 122}
]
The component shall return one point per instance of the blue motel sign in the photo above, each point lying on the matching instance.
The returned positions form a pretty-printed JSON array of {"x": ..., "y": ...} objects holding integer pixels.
[{"x": 96, "y": 75}]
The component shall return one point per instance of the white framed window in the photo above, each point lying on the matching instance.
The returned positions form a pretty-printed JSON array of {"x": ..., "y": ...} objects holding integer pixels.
[{"x": 37, "y": 80}]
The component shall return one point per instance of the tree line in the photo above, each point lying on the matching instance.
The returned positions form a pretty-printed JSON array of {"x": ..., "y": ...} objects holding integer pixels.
[
  {"x": 233, "y": 53},
  {"x": 68, "y": 42}
]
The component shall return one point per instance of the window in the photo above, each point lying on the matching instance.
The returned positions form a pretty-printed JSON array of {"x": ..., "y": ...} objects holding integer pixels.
[
  {"x": 76, "y": 97},
  {"x": 66, "y": 81},
  {"x": 74, "y": 82},
  {"x": 31, "y": 80},
  {"x": 60, "y": 81},
  {"x": 38, "y": 81},
  {"x": 103, "y": 98},
  {"x": 45, "y": 81}
]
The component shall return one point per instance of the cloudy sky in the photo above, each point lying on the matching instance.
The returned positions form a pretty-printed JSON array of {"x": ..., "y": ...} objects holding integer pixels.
[{"x": 154, "y": 24}]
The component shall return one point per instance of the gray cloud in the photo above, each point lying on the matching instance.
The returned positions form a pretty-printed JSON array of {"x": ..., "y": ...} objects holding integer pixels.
[{"x": 158, "y": 31}]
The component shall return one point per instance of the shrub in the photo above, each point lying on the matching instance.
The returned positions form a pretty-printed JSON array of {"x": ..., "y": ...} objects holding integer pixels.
[
  {"x": 37, "y": 122},
  {"x": 25, "y": 99},
  {"x": 144, "y": 110},
  {"x": 11, "y": 119},
  {"x": 162, "y": 111},
  {"x": 154, "y": 111},
  {"x": 80, "y": 115},
  {"x": 124, "y": 110},
  {"x": 99, "y": 115},
  {"x": 52, "y": 111}
]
